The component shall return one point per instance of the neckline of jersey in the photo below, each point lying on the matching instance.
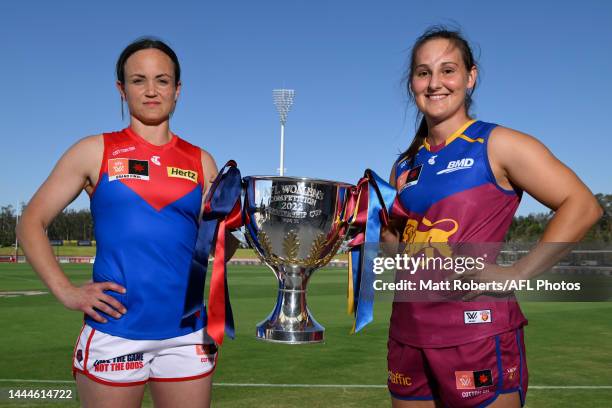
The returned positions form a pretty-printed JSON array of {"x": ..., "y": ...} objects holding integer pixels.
[
  {"x": 449, "y": 139},
  {"x": 128, "y": 131}
]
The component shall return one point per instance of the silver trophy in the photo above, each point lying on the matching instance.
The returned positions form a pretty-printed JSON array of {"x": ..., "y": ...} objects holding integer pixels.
[{"x": 295, "y": 225}]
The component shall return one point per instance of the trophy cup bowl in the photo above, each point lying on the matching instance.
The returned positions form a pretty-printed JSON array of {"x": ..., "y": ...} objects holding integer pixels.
[{"x": 295, "y": 225}]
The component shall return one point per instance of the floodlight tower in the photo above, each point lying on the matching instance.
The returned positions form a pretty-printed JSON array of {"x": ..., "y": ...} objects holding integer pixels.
[{"x": 283, "y": 100}]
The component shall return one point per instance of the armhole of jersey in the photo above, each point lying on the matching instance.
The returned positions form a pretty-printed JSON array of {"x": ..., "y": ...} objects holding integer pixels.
[
  {"x": 395, "y": 169},
  {"x": 102, "y": 166},
  {"x": 201, "y": 170},
  {"x": 490, "y": 173}
]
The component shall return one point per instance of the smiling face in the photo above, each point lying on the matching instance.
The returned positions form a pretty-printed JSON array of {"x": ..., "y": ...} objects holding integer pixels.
[
  {"x": 440, "y": 81},
  {"x": 150, "y": 87}
]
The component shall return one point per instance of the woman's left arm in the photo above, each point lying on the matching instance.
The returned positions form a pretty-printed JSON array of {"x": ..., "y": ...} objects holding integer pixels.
[{"x": 521, "y": 161}]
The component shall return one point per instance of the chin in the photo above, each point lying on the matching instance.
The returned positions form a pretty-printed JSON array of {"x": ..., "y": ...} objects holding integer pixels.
[{"x": 152, "y": 120}]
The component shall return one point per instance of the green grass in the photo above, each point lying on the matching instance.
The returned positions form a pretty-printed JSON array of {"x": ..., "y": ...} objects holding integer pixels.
[
  {"x": 73, "y": 250},
  {"x": 567, "y": 344}
]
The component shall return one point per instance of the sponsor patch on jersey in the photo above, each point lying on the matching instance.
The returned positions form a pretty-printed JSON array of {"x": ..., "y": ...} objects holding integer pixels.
[
  {"x": 463, "y": 164},
  {"x": 477, "y": 316},
  {"x": 410, "y": 177},
  {"x": 182, "y": 173},
  {"x": 128, "y": 168},
  {"x": 470, "y": 380}
]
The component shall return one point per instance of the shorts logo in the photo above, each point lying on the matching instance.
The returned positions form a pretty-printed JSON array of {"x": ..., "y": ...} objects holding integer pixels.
[
  {"x": 455, "y": 165},
  {"x": 205, "y": 349},
  {"x": 483, "y": 378},
  {"x": 399, "y": 379},
  {"x": 470, "y": 380},
  {"x": 511, "y": 372},
  {"x": 127, "y": 362},
  {"x": 128, "y": 168},
  {"x": 206, "y": 352},
  {"x": 79, "y": 355},
  {"x": 477, "y": 316},
  {"x": 184, "y": 174},
  {"x": 464, "y": 380}
]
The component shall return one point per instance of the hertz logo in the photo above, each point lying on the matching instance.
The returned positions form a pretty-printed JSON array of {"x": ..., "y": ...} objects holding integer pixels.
[{"x": 184, "y": 174}]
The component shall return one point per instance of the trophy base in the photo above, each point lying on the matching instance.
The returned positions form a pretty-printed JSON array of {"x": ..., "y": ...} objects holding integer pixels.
[{"x": 266, "y": 331}]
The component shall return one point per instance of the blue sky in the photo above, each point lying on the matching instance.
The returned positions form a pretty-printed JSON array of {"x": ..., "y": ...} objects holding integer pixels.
[{"x": 545, "y": 70}]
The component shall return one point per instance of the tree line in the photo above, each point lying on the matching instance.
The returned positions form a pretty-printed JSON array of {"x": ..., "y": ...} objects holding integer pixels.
[
  {"x": 68, "y": 225},
  {"x": 529, "y": 228},
  {"x": 78, "y": 225}
]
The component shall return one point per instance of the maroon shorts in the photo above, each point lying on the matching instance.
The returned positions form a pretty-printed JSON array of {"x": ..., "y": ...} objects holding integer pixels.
[{"x": 470, "y": 375}]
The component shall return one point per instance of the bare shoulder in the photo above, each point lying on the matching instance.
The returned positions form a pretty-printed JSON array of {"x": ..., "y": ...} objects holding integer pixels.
[
  {"x": 392, "y": 175},
  {"x": 85, "y": 153},
  {"x": 505, "y": 140},
  {"x": 88, "y": 147},
  {"x": 208, "y": 162},
  {"x": 209, "y": 166}
]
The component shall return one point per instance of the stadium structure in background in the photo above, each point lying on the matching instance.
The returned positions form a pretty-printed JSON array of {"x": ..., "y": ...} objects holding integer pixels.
[{"x": 283, "y": 100}]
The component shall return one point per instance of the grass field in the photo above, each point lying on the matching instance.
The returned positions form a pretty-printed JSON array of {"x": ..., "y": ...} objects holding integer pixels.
[
  {"x": 568, "y": 344},
  {"x": 73, "y": 250}
]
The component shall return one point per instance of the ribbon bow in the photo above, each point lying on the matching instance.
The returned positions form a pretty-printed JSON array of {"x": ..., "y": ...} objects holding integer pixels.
[
  {"x": 367, "y": 211},
  {"x": 221, "y": 212}
]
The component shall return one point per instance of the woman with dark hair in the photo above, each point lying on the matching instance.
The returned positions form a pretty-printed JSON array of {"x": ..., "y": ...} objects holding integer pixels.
[
  {"x": 461, "y": 181},
  {"x": 144, "y": 314}
]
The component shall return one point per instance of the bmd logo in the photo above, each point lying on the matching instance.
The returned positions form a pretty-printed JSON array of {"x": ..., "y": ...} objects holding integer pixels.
[{"x": 455, "y": 165}]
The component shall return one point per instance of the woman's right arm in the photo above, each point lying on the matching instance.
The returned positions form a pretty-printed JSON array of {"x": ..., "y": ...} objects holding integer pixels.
[{"x": 76, "y": 170}]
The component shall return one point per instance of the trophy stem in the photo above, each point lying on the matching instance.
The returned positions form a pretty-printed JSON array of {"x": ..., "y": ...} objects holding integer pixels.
[{"x": 291, "y": 321}]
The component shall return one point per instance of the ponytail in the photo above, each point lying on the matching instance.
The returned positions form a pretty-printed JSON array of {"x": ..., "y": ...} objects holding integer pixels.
[{"x": 417, "y": 142}]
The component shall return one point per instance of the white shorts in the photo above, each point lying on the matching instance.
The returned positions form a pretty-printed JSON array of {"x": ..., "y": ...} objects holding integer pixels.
[{"x": 117, "y": 361}]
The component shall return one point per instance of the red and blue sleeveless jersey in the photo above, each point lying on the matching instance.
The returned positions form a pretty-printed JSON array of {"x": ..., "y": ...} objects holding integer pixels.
[
  {"x": 450, "y": 195},
  {"x": 145, "y": 208}
]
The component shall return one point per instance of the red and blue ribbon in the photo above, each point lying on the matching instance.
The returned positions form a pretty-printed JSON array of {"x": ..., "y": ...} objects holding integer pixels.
[
  {"x": 222, "y": 212},
  {"x": 367, "y": 212}
]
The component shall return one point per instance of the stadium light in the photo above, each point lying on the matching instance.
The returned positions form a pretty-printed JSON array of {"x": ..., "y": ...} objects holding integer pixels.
[{"x": 283, "y": 100}]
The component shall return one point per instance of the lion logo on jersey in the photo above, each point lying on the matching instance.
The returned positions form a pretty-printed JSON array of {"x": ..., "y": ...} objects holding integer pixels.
[{"x": 434, "y": 237}]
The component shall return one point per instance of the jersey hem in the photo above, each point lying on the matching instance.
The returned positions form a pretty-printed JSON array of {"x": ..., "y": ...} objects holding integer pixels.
[{"x": 457, "y": 343}]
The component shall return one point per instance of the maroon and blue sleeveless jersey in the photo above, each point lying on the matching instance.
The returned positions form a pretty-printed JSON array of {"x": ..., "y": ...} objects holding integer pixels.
[
  {"x": 145, "y": 208},
  {"x": 451, "y": 196}
]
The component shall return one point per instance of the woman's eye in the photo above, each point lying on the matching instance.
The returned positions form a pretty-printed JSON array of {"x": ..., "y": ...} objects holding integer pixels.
[
  {"x": 163, "y": 81},
  {"x": 448, "y": 71},
  {"x": 137, "y": 81},
  {"x": 422, "y": 74}
]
